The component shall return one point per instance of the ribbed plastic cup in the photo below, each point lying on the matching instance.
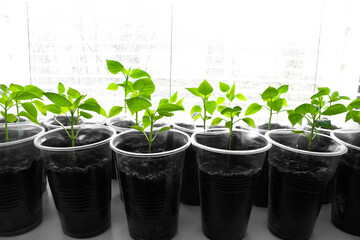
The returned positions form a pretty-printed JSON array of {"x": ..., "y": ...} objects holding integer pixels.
[
  {"x": 20, "y": 180},
  {"x": 345, "y": 205},
  {"x": 227, "y": 179},
  {"x": 79, "y": 178},
  {"x": 298, "y": 178},
  {"x": 151, "y": 182},
  {"x": 190, "y": 178}
]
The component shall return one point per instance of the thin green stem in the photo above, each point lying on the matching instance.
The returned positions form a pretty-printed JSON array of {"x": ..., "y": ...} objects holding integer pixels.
[
  {"x": 6, "y": 125},
  {"x": 17, "y": 112},
  {"x": 204, "y": 119},
  {"x": 269, "y": 124},
  {"x": 151, "y": 133},
  {"x": 312, "y": 136},
  {"x": 136, "y": 119},
  {"x": 125, "y": 89},
  {"x": 231, "y": 131}
]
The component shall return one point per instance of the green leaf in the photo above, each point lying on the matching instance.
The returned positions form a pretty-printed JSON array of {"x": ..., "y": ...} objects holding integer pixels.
[
  {"x": 220, "y": 100},
  {"x": 30, "y": 109},
  {"x": 252, "y": 109},
  {"x": 224, "y": 87},
  {"x": 86, "y": 115},
  {"x": 241, "y": 97},
  {"x": 10, "y": 117},
  {"x": 284, "y": 102},
  {"x": 25, "y": 96},
  {"x": 354, "y": 104},
  {"x": 15, "y": 87},
  {"x": 334, "y": 110},
  {"x": 169, "y": 107},
  {"x": 92, "y": 105},
  {"x": 163, "y": 129},
  {"x": 113, "y": 86},
  {"x": 249, "y": 121},
  {"x": 137, "y": 104},
  {"x": 228, "y": 124},
  {"x": 232, "y": 91},
  {"x": 210, "y": 107},
  {"x": 195, "y": 109},
  {"x": 139, "y": 128},
  {"x": 324, "y": 123},
  {"x": 230, "y": 96},
  {"x": 61, "y": 88},
  {"x": 216, "y": 121},
  {"x": 205, "y": 88},
  {"x": 58, "y": 99},
  {"x": 144, "y": 86},
  {"x": 40, "y": 106},
  {"x": 348, "y": 116},
  {"x": 28, "y": 116},
  {"x": 115, "y": 110},
  {"x": 269, "y": 94},
  {"x": 298, "y": 131},
  {"x": 146, "y": 121},
  {"x": 73, "y": 93},
  {"x": 345, "y": 98},
  {"x": 196, "y": 116},
  {"x": 138, "y": 73},
  {"x": 220, "y": 108},
  {"x": 180, "y": 102},
  {"x": 295, "y": 118},
  {"x": 194, "y": 91},
  {"x": 306, "y": 108},
  {"x": 3, "y": 87},
  {"x": 277, "y": 104},
  {"x": 283, "y": 89},
  {"x": 53, "y": 108},
  {"x": 173, "y": 98},
  {"x": 114, "y": 66},
  {"x": 324, "y": 90}
]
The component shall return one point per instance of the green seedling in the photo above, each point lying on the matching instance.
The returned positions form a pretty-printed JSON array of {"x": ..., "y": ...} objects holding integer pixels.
[
  {"x": 313, "y": 112},
  {"x": 14, "y": 96},
  {"x": 229, "y": 113},
  {"x": 134, "y": 78},
  {"x": 274, "y": 103},
  {"x": 352, "y": 112},
  {"x": 204, "y": 92},
  {"x": 165, "y": 108},
  {"x": 73, "y": 105}
]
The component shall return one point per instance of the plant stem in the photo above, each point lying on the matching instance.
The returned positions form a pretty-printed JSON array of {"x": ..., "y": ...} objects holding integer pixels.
[
  {"x": 17, "y": 113},
  {"x": 6, "y": 124},
  {"x": 151, "y": 133},
  {"x": 204, "y": 115},
  {"x": 311, "y": 134},
  {"x": 136, "y": 119},
  {"x": 72, "y": 129},
  {"x": 269, "y": 124},
  {"x": 126, "y": 84},
  {"x": 231, "y": 131}
]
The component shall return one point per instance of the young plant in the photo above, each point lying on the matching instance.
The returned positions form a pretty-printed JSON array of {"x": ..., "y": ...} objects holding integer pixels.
[
  {"x": 165, "y": 108},
  {"x": 229, "y": 113},
  {"x": 274, "y": 103},
  {"x": 129, "y": 85},
  {"x": 312, "y": 113},
  {"x": 352, "y": 112},
  {"x": 204, "y": 92},
  {"x": 73, "y": 105},
  {"x": 14, "y": 95}
]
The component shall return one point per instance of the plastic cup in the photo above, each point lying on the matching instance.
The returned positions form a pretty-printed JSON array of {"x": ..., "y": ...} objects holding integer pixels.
[
  {"x": 151, "y": 182},
  {"x": 345, "y": 205},
  {"x": 298, "y": 178},
  {"x": 20, "y": 180},
  {"x": 227, "y": 179},
  {"x": 79, "y": 178}
]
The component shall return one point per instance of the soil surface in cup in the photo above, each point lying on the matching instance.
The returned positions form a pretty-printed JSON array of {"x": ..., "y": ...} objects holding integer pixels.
[
  {"x": 272, "y": 126},
  {"x": 20, "y": 196},
  {"x": 152, "y": 204},
  {"x": 345, "y": 206},
  {"x": 187, "y": 126},
  {"x": 82, "y": 197},
  {"x": 295, "y": 201},
  {"x": 123, "y": 123},
  {"x": 64, "y": 121},
  {"x": 226, "y": 202}
]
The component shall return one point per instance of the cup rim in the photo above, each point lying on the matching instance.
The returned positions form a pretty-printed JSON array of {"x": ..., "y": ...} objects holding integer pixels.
[
  {"x": 6, "y": 144},
  {"x": 177, "y": 127},
  {"x": 341, "y": 151},
  {"x": 38, "y": 142},
  {"x": 332, "y": 134},
  {"x": 146, "y": 155},
  {"x": 232, "y": 152}
]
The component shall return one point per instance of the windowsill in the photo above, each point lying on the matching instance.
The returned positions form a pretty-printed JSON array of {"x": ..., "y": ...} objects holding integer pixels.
[{"x": 189, "y": 223}]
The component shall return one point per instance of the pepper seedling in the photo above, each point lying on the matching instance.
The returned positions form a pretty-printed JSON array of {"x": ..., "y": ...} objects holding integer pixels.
[
  {"x": 137, "y": 75},
  {"x": 313, "y": 112},
  {"x": 274, "y": 103},
  {"x": 73, "y": 105},
  {"x": 13, "y": 96},
  {"x": 230, "y": 112},
  {"x": 204, "y": 92},
  {"x": 165, "y": 108},
  {"x": 352, "y": 112}
]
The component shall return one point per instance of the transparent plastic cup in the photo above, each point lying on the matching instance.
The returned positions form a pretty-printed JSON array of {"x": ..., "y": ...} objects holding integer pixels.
[
  {"x": 345, "y": 205},
  {"x": 190, "y": 178},
  {"x": 20, "y": 179},
  {"x": 298, "y": 178},
  {"x": 151, "y": 182},
  {"x": 50, "y": 123},
  {"x": 79, "y": 178},
  {"x": 227, "y": 179}
]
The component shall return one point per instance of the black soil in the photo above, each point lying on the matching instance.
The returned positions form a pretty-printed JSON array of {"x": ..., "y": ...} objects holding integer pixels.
[
  {"x": 152, "y": 204},
  {"x": 124, "y": 123},
  {"x": 272, "y": 126},
  {"x": 226, "y": 202},
  {"x": 20, "y": 197},
  {"x": 64, "y": 120}
]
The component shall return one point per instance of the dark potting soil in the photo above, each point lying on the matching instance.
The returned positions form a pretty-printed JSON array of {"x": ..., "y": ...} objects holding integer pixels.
[
  {"x": 272, "y": 126},
  {"x": 190, "y": 179},
  {"x": 187, "y": 126},
  {"x": 64, "y": 120},
  {"x": 345, "y": 206},
  {"x": 152, "y": 204},
  {"x": 295, "y": 202},
  {"x": 20, "y": 197},
  {"x": 85, "y": 137},
  {"x": 226, "y": 202},
  {"x": 124, "y": 123},
  {"x": 82, "y": 198}
]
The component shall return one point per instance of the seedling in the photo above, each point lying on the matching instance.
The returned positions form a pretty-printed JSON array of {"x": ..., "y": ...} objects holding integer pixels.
[
  {"x": 165, "y": 108},
  {"x": 230, "y": 112},
  {"x": 204, "y": 92},
  {"x": 139, "y": 77},
  {"x": 14, "y": 95},
  {"x": 73, "y": 105},
  {"x": 274, "y": 103},
  {"x": 352, "y": 112},
  {"x": 313, "y": 112}
]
